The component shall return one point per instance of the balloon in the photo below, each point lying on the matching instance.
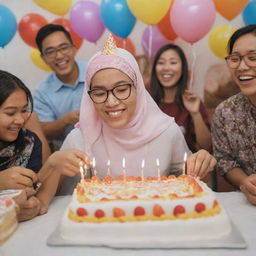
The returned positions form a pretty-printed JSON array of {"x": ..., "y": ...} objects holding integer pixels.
[
  {"x": 59, "y": 7},
  {"x": 192, "y": 19},
  {"x": 149, "y": 11},
  {"x": 85, "y": 20},
  {"x": 229, "y": 9},
  {"x": 248, "y": 14},
  {"x": 8, "y": 25},
  {"x": 77, "y": 40},
  {"x": 165, "y": 27},
  {"x": 29, "y": 26},
  {"x": 117, "y": 17},
  {"x": 218, "y": 39},
  {"x": 37, "y": 60},
  {"x": 125, "y": 43},
  {"x": 158, "y": 40}
]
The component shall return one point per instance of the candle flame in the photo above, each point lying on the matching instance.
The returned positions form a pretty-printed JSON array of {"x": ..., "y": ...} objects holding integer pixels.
[
  {"x": 93, "y": 162},
  {"x": 108, "y": 163},
  {"x": 185, "y": 156},
  {"x": 142, "y": 163},
  {"x": 123, "y": 163},
  {"x": 157, "y": 162}
]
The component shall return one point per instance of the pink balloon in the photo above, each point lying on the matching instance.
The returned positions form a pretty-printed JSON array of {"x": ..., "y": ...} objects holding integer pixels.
[
  {"x": 192, "y": 19},
  {"x": 85, "y": 20},
  {"x": 158, "y": 40}
]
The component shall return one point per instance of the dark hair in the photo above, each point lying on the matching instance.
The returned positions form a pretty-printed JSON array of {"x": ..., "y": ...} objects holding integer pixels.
[
  {"x": 250, "y": 29},
  {"x": 8, "y": 84},
  {"x": 48, "y": 30},
  {"x": 157, "y": 88}
]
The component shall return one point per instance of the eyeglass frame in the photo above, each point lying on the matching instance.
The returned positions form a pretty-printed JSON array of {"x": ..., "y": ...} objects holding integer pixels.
[
  {"x": 57, "y": 49},
  {"x": 241, "y": 57},
  {"x": 112, "y": 91}
]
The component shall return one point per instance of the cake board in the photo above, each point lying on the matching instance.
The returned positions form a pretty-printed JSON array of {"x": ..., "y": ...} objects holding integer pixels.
[{"x": 234, "y": 240}]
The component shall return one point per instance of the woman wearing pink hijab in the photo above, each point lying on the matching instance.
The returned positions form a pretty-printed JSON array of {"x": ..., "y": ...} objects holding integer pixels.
[{"x": 119, "y": 120}]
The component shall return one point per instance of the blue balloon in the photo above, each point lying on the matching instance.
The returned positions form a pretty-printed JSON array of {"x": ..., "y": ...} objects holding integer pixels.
[
  {"x": 8, "y": 25},
  {"x": 117, "y": 17},
  {"x": 249, "y": 13}
]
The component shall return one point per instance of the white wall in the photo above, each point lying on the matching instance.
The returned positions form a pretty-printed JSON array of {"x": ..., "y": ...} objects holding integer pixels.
[{"x": 15, "y": 56}]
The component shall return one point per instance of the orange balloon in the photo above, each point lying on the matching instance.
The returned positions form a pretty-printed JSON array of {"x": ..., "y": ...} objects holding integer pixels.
[
  {"x": 77, "y": 40},
  {"x": 229, "y": 9},
  {"x": 125, "y": 43},
  {"x": 29, "y": 26},
  {"x": 165, "y": 26}
]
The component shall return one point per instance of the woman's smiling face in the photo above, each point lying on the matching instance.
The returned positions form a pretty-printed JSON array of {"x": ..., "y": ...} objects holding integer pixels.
[
  {"x": 244, "y": 75},
  {"x": 13, "y": 115},
  {"x": 116, "y": 113}
]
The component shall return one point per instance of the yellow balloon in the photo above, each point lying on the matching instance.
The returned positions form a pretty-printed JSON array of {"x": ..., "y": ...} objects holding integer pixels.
[
  {"x": 59, "y": 7},
  {"x": 218, "y": 39},
  {"x": 37, "y": 60},
  {"x": 149, "y": 11}
]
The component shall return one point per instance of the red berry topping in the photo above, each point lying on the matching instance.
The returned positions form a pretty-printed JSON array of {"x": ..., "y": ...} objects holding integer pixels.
[
  {"x": 117, "y": 212},
  {"x": 200, "y": 207},
  {"x": 179, "y": 209},
  {"x": 158, "y": 210},
  {"x": 215, "y": 203},
  {"x": 134, "y": 197},
  {"x": 8, "y": 202},
  {"x": 81, "y": 212},
  {"x": 139, "y": 211},
  {"x": 99, "y": 213}
]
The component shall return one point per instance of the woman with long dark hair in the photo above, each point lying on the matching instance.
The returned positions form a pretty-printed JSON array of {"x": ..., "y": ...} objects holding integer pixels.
[{"x": 169, "y": 88}]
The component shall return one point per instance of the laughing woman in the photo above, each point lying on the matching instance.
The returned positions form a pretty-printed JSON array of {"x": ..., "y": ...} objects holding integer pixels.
[
  {"x": 169, "y": 88},
  {"x": 234, "y": 121},
  {"x": 21, "y": 149}
]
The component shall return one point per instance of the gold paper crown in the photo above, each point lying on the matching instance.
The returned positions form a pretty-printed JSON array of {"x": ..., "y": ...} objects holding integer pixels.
[{"x": 109, "y": 46}]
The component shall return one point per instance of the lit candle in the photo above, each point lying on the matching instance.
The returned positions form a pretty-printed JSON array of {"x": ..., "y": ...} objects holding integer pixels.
[
  {"x": 81, "y": 172},
  {"x": 124, "y": 171},
  {"x": 142, "y": 170},
  {"x": 108, "y": 164},
  {"x": 94, "y": 166},
  {"x": 158, "y": 169},
  {"x": 184, "y": 163}
]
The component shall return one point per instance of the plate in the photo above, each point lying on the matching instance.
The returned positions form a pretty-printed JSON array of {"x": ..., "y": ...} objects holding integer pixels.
[{"x": 234, "y": 240}]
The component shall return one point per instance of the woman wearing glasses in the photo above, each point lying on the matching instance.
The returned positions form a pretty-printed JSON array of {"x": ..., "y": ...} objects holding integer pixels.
[
  {"x": 119, "y": 120},
  {"x": 234, "y": 121}
]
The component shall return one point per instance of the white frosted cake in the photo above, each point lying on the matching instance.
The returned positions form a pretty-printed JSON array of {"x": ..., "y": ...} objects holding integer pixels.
[{"x": 134, "y": 211}]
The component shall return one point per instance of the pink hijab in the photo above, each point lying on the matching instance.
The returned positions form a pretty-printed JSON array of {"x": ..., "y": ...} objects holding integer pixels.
[{"x": 131, "y": 141}]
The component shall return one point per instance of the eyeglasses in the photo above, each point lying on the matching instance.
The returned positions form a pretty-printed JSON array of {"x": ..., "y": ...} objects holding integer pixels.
[
  {"x": 51, "y": 52},
  {"x": 234, "y": 61},
  {"x": 121, "y": 92}
]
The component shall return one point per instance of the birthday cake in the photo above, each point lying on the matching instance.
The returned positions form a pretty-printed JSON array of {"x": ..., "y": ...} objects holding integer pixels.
[
  {"x": 136, "y": 211},
  {"x": 8, "y": 219}
]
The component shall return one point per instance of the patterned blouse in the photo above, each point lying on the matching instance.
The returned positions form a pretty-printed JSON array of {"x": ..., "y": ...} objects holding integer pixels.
[{"x": 234, "y": 135}]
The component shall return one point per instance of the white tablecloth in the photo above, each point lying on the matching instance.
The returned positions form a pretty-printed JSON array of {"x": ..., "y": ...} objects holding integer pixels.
[{"x": 31, "y": 236}]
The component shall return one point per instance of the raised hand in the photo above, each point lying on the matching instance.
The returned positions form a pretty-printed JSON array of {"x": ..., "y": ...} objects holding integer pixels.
[{"x": 191, "y": 101}]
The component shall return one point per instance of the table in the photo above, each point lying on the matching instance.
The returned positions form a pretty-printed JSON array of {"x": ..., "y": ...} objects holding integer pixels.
[{"x": 31, "y": 236}]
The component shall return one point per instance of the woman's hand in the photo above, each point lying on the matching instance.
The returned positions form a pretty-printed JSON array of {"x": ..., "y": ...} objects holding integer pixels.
[
  {"x": 248, "y": 187},
  {"x": 67, "y": 162},
  {"x": 191, "y": 101},
  {"x": 17, "y": 178},
  {"x": 29, "y": 209},
  {"x": 200, "y": 163}
]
